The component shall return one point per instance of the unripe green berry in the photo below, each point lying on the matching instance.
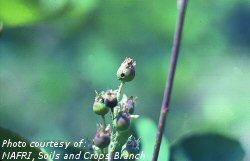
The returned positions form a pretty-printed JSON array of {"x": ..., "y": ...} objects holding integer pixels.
[
  {"x": 126, "y": 71},
  {"x": 122, "y": 121},
  {"x": 99, "y": 107}
]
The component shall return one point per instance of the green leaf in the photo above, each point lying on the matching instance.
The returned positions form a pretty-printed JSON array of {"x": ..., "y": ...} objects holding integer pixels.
[
  {"x": 207, "y": 147},
  {"x": 147, "y": 131},
  {"x": 6, "y": 135},
  {"x": 18, "y": 12}
]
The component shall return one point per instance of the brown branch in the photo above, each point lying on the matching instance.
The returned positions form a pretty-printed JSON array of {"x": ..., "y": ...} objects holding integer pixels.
[{"x": 169, "y": 84}]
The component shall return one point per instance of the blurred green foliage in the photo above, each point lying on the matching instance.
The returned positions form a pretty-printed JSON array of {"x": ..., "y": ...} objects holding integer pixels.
[
  {"x": 54, "y": 54},
  {"x": 8, "y": 149},
  {"x": 207, "y": 147},
  {"x": 145, "y": 129}
]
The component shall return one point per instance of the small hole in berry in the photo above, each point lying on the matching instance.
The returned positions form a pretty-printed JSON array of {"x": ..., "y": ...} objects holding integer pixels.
[{"x": 122, "y": 75}]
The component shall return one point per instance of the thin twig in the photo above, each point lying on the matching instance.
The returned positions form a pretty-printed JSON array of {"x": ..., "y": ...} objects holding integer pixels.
[{"x": 169, "y": 84}]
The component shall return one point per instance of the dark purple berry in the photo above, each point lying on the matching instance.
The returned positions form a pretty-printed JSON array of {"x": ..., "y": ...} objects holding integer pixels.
[
  {"x": 132, "y": 146},
  {"x": 130, "y": 105},
  {"x": 122, "y": 121},
  {"x": 102, "y": 138},
  {"x": 110, "y": 99}
]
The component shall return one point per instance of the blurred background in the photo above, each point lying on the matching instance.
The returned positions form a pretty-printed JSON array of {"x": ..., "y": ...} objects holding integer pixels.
[{"x": 55, "y": 53}]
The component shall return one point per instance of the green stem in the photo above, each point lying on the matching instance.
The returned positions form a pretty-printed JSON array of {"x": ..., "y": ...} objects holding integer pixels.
[
  {"x": 113, "y": 143},
  {"x": 102, "y": 150},
  {"x": 104, "y": 123},
  {"x": 120, "y": 91},
  {"x": 112, "y": 114}
]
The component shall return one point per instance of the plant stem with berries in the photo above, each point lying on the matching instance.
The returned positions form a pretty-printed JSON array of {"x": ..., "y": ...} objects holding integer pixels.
[{"x": 121, "y": 112}]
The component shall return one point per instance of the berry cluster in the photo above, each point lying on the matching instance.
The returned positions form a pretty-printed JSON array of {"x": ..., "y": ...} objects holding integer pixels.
[{"x": 122, "y": 111}]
